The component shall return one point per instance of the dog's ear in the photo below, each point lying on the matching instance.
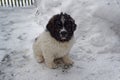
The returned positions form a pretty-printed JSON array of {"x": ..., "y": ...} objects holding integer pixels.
[
  {"x": 72, "y": 20},
  {"x": 50, "y": 24},
  {"x": 74, "y": 27}
]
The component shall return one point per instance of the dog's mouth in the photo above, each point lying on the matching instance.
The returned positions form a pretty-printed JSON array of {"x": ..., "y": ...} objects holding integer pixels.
[{"x": 63, "y": 37}]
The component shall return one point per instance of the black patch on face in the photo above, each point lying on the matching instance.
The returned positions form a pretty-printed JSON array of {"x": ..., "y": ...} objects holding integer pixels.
[{"x": 55, "y": 25}]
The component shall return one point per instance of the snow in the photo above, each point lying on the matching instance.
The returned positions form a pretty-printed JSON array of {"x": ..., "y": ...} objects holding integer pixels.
[{"x": 96, "y": 53}]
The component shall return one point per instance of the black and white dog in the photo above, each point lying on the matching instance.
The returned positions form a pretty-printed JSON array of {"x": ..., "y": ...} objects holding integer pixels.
[{"x": 56, "y": 41}]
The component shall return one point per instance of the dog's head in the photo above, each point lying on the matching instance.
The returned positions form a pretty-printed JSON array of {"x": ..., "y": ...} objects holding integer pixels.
[{"x": 61, "y": 27}]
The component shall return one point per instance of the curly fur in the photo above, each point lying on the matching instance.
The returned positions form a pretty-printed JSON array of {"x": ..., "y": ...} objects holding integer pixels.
[{"x": 49, "y": 46}]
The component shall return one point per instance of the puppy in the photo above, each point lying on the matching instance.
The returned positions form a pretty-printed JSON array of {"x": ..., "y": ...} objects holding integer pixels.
[{"x": 56, "y": 41}]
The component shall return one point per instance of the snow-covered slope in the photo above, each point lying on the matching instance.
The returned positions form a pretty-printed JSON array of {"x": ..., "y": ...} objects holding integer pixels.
[
  {"x": 96, "y": 53},
  {"x": 98, "y": 20}
]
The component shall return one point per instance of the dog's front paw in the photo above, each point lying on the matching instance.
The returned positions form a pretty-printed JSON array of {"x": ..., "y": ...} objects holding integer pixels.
[
  {"x": 40, "y": 59},
  {"x": 68, "y": 64},
  {"x": 52, "y": 65},
  {"x": 67, "y": 60}
]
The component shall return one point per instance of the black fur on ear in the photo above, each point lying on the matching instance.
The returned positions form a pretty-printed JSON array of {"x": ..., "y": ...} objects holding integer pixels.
[
  {"x": 50, "y": 25},
  {"x": 74, "y": 27}
]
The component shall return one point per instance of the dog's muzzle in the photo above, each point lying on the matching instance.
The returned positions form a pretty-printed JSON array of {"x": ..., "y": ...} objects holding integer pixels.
[{"x": 63, "y": 34}]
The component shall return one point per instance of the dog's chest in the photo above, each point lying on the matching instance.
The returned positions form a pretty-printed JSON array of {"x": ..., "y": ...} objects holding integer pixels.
[
  {"x": 59, "y": 49},
  {"x": 55, "y": 48}
]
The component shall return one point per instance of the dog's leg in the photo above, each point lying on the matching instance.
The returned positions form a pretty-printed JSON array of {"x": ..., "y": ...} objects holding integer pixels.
[
  {"x": 50, "y": 62},
  {"x": 39, "y": 58},
  {"x": 67, "y": 60},
  {"x": 38, "y": 55}
]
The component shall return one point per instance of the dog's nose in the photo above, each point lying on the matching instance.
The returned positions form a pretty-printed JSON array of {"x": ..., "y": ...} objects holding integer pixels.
[{"x": 64, "y": 33}]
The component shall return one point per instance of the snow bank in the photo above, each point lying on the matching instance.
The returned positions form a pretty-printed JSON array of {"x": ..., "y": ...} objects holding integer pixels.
[{"x": 109, "y": 11}]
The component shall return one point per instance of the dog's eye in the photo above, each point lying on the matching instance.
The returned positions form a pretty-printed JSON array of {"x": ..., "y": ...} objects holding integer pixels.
[
  {"x": 58, "y": 24},
  {"x": 71, "y": 27},
  {"x": 68, "y": 27}
]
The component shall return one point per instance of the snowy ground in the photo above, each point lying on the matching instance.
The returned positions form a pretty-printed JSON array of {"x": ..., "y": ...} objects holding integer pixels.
[{"x": 96, "y": 53}]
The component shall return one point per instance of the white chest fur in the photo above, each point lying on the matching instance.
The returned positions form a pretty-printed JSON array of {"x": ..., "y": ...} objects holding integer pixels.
[{"x": 50, "y": 47}]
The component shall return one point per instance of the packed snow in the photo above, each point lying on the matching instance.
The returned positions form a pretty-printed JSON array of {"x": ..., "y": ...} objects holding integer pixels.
[{"x": 96, "y": 52}]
